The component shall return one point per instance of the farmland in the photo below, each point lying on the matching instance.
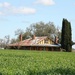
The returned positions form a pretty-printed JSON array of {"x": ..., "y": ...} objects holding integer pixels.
[{"x": 20, "y": 62}]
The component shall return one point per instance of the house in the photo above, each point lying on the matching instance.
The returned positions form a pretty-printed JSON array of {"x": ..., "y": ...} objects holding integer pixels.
[{"x": 36, "y": 43}]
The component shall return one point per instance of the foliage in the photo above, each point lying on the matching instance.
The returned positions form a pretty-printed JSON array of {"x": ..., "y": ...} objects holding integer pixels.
[
  {"x": 73, "y": 43},
  {"x": 66, "y": 37},
  {"x": 13, "y": 41},
  {"x": 41, "y": 29},
  {"x": 19, "y": 31},
  {"x": 20, "y": 62},
  {"x": 5, "y": 41}
]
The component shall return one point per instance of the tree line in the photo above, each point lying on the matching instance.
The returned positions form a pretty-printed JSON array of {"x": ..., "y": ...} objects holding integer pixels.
[
  {"x": 39, "y": 29},
  {"x": 45, "y": 29},
  {"x": 49, "y": 29}
]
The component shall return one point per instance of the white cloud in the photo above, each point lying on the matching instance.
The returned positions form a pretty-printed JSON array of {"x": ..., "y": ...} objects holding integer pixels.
[
  {"x": 5, "y": 4},
  {"x": 7, "y": 8},
  {"x": 23, "y": 10},
  {"x": 45, "y": 2},
  {"x": 1, "y": 13}
]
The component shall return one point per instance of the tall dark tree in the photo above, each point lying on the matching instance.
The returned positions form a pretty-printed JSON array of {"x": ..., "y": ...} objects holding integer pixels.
[
  {"x": 66, "y": 36},
  {"x": 70, "y": 36}
]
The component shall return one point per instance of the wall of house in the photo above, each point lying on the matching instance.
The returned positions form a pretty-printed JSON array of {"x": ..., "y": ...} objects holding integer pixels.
[
  {"x": 46, "y": 41},
  {"x": 39, "y": 48}
]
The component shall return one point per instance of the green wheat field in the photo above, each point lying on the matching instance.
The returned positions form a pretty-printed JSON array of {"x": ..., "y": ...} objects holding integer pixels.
[{"x": 21, "y": 62}]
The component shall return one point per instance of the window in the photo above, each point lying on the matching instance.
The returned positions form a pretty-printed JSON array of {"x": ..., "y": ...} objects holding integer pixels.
[{"x": 46, "y": 41}]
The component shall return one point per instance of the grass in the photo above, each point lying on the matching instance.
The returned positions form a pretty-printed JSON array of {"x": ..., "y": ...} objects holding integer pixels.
[{"x": 21, "y": 62}]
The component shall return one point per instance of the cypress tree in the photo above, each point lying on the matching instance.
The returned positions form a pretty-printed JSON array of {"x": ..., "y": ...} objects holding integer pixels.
[
  {"x": 63, "y": 35},
  {"x": 70, "y": 37},
  {"x": 66, "y": 42}
]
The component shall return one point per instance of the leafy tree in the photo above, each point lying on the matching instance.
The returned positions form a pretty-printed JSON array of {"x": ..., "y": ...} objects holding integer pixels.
[
  {"x": 18, "y": 32},
  {"x": 2, "y": 43},
  {"x": 28, "y": 33},
  {"x": 73, "y": 43},
  {"x": 13, "y": 41},
  {"x": 7, "y": 39},
  {"x": 41, "y": 29}
]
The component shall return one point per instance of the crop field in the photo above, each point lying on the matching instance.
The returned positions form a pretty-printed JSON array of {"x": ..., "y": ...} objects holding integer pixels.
[{"x": 21, "y": 62}]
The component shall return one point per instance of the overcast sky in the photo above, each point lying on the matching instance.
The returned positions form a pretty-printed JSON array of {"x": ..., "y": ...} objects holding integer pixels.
[{"x": 19, "y": 14}]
